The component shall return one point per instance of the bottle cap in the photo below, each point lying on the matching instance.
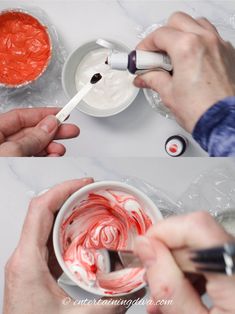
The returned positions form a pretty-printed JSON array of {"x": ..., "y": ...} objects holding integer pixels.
[
  {"x": 118, "y": 61},
  {"x": 176, "y": 145}
]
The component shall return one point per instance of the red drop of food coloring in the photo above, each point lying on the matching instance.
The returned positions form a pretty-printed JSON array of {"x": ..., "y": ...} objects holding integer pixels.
[{"x": 93, "y": 268}]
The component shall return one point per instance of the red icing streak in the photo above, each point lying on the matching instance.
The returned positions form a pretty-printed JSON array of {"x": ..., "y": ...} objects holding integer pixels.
[
  {"x": 124, "y": 281},
  {"x": 25, "y": 48}
]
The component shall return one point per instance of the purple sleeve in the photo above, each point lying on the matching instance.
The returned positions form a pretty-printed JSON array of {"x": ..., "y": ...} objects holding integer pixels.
[{"x": 215, "y": 130}]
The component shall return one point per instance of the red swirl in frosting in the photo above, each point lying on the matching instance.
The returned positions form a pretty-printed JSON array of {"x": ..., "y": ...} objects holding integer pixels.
[
  {"x": 105, "y": 219},
  {"x": 25, "y": 48}
]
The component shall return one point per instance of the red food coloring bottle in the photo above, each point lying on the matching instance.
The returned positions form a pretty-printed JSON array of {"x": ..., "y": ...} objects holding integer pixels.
[{"x": 176, "y": 145}]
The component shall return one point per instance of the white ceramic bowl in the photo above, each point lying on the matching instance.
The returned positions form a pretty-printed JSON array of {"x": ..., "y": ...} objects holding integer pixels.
[
  {"x": 69, "y": 85},
  {"x": 153, "y": 212}
]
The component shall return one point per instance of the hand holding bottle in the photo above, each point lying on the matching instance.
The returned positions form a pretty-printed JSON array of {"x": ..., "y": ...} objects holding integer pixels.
[{"x": 203, "y": 63}]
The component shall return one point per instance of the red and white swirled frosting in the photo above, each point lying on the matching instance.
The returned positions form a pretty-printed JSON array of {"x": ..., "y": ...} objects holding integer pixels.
[{"x": 105, "y": 219}]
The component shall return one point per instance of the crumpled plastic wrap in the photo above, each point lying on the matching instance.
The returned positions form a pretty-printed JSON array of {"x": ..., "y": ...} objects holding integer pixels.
[
  {"x": 213, "y": 191},
  {"x": 47, "y": 89},
  {"x": 164, "y": 203}
]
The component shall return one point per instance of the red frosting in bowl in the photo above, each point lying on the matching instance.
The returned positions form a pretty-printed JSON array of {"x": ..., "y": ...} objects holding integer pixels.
[
  {"x": 25, "y": 48},
  {"x": 106, "y": 219}
]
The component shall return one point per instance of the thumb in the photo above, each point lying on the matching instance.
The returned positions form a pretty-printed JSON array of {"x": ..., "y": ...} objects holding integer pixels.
[
  {"x": 156, "y": 80},
  {"x": 34, "y": 142},
  {"x": 40, "y": 137}
]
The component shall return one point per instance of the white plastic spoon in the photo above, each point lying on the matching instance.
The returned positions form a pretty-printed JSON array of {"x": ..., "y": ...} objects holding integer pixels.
[{"x": 65, "y": 112}]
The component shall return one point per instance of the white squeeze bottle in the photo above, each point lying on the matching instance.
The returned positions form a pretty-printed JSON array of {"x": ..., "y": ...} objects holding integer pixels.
[{"x": 139, "y": 61}]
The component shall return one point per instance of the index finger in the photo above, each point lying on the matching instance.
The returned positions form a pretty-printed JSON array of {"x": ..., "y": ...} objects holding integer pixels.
[
  {"x": 194, "y": 230},
  {"x": 186, "y": 23},
  {"x": 163, "y": 39},
  {"x": 40, "y": 216},
  {"x": 17, "y": 119}
]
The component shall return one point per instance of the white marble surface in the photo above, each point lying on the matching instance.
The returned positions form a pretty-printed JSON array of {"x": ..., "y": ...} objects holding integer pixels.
[
  {"x": 138, "y": 131},
  {"x": 21, "y": 179}
]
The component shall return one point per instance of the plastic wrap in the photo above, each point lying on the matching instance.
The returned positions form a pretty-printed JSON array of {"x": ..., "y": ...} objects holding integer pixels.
[
  {"x": 47, "y": 89},
  {"x": 213, "y": 191},
  {"x": 165, "y": 204}
]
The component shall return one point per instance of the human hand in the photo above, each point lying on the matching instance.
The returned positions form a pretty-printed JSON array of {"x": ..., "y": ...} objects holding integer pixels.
[
  {"x": 203, "y": 63},
  {"x": 165, "y": 278},
  {"x": 31, "y": 132},
  {"x": 32, "y": 270}
]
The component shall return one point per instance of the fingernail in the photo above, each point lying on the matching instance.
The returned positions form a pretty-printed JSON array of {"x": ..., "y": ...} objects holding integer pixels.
[
  {"x": 48, "y": 124},
  {"x": 140, "y": 82},
  {"x": 88, "y": 180},
  {"x": 144, "y": 249},
  {"x": 43, "y": 192}
]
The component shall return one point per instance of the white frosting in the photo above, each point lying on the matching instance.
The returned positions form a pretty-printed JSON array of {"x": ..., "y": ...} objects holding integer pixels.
[{"x": 114, "y": 89}]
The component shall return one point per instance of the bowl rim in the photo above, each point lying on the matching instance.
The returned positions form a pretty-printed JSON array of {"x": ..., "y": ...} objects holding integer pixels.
[
  {"x": 79, "y": 194},
  {"x": 25, "y": 11},
  {"x": 100, "y": 114}
]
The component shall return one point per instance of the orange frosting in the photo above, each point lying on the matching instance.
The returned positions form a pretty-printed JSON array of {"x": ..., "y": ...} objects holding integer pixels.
[{"x": 25, "y": 48}]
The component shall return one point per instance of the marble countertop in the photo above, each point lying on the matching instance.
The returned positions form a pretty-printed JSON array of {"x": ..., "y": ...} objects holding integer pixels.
[
  {"x": 21, "y": 179},
  {"x": 138, "y": 131}
]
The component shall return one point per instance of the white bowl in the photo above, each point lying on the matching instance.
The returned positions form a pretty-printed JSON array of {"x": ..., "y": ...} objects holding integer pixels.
[
  {"x": 69, "y": 85},
  {"x": 153, "y": 212}
]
